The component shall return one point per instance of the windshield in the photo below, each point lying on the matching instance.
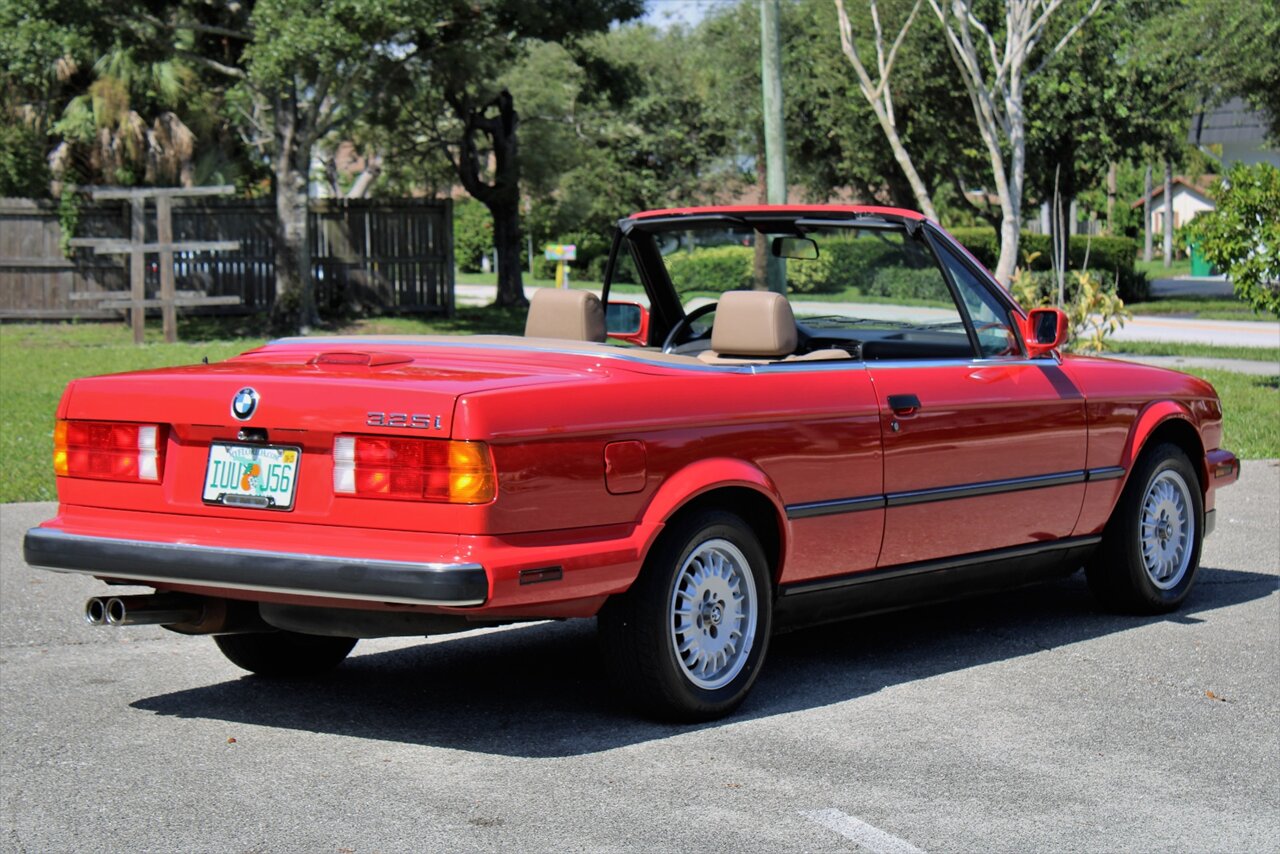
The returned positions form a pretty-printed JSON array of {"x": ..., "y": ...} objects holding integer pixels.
[
  {"x": 871, "y": 276},
  {"x": 868, "y": 285}
]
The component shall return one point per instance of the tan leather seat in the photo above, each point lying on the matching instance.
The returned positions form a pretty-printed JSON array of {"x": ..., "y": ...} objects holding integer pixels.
[
  {"x": 751, "y": 327},
  {"x": 565, "y": 313}
]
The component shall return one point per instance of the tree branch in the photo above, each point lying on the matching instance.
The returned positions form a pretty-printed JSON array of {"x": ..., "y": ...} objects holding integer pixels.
[
  {"x": 1075, "y": 28},
  {"x": 193, "y": 26},
  {"x": 213, "y": 65}
]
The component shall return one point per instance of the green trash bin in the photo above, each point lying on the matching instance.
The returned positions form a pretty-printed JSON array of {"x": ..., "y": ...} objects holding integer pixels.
[{"x": 1200, "y": 265}]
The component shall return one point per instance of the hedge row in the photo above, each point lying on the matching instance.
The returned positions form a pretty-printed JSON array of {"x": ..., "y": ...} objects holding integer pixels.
[
  {"x": 867, "y": 267},
  {"x": 1114, "y": 255}
]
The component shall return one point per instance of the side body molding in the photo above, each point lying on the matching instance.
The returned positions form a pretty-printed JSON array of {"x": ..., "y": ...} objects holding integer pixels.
[{"x": 1102, "y": 494}]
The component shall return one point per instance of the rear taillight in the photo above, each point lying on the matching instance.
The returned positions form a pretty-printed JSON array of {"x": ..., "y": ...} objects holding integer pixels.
[
  {"x": 413, "y": 469},
  {"x": 108, "y": 450}
]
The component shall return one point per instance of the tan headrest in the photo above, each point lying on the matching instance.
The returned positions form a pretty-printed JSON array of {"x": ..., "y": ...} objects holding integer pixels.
[
  {"x": 754, "y": 323},
  {"x": 565, "y": 313}
]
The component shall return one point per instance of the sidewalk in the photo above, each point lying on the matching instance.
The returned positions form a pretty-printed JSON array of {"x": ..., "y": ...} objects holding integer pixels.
[{"x": 1184, "y": 363}]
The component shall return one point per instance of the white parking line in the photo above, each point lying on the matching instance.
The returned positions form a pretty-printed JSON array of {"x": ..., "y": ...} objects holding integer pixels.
[{"x": 864, "y": 835}]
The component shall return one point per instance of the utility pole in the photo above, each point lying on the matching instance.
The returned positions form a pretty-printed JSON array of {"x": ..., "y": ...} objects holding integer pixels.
[{"x": 775, "y": 138}]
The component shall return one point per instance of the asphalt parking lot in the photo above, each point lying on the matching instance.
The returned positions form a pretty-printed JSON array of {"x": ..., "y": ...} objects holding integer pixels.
[{"x": 1025, "y": 721}]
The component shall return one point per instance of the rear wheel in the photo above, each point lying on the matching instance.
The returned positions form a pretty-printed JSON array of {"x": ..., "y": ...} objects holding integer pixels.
[
  {"x": 687, "y": 641},
  {"x": 284, "y": 654},
  {"x": 1150, "y": 551}
]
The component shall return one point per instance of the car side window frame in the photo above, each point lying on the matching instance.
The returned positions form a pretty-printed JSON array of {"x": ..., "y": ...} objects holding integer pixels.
[{"x": 944, "y": 253}]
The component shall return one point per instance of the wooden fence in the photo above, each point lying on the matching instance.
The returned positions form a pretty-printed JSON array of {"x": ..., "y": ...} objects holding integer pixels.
[{"x": 367, "y": 255}]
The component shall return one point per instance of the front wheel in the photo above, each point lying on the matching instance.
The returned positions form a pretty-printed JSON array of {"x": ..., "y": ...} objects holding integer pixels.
[
  {"x": 1150, "y": 551},
  {"x": 284, "y": 654},
  {"x": 687, "y": 641}
]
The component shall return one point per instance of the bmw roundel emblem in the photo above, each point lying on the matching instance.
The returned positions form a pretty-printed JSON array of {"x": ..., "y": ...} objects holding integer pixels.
[{"x": 244, "y": 404}]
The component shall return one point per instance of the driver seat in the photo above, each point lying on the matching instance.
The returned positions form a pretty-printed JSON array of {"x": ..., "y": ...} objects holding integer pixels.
[{"x": 751, "y": 327}]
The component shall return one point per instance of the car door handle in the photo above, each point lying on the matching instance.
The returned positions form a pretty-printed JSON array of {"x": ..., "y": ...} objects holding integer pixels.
[{"x": 904, "y": 404}]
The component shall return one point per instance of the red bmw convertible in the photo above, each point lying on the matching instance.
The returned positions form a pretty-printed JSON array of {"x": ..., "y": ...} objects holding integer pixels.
[{"x": 730, "y": 464}]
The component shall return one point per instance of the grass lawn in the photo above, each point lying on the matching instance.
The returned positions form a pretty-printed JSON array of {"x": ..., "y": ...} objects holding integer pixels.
[
  {"x": 1250, "y": 412},
  {"x": 1156, "y": 269},
  {"x": 37, "y": 361},
  {"x": 1208, "y": 308},
  {"x": 1210, "y": 351}
]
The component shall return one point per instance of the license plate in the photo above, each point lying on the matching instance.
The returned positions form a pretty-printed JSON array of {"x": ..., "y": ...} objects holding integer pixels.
[{"x": 257, "y": 476}]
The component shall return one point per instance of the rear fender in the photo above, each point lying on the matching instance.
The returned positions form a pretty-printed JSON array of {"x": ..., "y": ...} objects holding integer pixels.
[{"x": 704, "y": 476}]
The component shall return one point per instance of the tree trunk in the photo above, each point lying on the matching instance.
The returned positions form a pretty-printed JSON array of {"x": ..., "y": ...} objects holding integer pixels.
[
  {"x": 502, "y": 197},
  {"x": 506, "y": 240},
  {"x": 760, "y": 255},
  {"x": 294, "y": 308},
  {"x": 1011, "y": 221},
  {"x": 1111, "y": 198},
  {"x": 1168, "y": 213},
  {"x": 1147, "y": 250}
]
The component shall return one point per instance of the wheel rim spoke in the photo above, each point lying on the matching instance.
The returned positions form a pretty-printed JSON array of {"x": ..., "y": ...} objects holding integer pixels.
[
  {"x": 1166, "y": 529},
  {"x": 713, "y": 614}
]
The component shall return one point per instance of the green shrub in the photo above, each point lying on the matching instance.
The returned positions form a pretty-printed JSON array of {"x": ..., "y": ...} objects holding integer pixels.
[
  {"x": 1111, "y": 257},
  {"x": 23, "y": 171},
  {"x": 925, "y": 283},
  {"x": 716, "y": 269},
  {"x": 1243, "y": 235},
  {"x": 472, "y": 234},
  {"x": 1092, "y": 305},
  {"x": 841, "y": 264}
]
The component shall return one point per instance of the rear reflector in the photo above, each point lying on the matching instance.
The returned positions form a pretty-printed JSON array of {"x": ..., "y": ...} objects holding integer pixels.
[
  {"x": 413, "y": 469},
  {"x": 108, "y": 450}
]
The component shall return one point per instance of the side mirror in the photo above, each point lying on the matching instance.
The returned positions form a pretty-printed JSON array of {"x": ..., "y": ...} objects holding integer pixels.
[
  {"x": 800, "y": 248},
  {"x": 627, "y": 321},
  {"x": 1047, "y": 330}
]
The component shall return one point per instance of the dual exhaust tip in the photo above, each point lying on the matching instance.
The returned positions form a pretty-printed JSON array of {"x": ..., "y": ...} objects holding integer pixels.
[{"x": 160, "y": 609}]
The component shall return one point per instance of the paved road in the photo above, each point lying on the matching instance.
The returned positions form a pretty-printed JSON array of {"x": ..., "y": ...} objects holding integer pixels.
[
  {"x": 1235, "y": 333},
  {"x": 1027, "y": 721},
  {"x": 1193, "y": 286},
  {"x": 1140, "y": 328}
]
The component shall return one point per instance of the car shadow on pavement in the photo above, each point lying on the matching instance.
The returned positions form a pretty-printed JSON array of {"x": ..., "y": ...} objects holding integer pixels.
[{"x": 543, "y": 690}]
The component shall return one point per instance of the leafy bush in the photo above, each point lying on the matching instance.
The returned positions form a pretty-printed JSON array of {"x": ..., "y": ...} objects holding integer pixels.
[
  {"x": 716, "y": 269},
  {"x": 865, "y": 266},
  {"x": 1114, "y": 255},
  {"x": 1243, "y": 235},
  {"x": 23, "y": 171},
  {"x": 925, "y": 283},
  {"x": 1093, "y": 307},
  {"x": 472, "y": 234},
  {"x": 841, "y": 264}
]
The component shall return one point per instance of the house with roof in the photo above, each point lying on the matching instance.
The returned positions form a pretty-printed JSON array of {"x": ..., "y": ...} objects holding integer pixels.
[
  {"x": 1235, "y": 133},
  {"x": 1190, "y": 198}
]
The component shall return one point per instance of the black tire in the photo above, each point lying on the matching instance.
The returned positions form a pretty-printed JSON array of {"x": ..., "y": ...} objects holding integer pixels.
[
  {"x": 1150, "y": 551},
  {"x": 639, "y": 630},
  {"x": 284, "y": 654}
]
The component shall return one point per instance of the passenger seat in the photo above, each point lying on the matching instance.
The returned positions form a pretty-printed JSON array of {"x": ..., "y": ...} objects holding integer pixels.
[{"x": 565, "y": 313}]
